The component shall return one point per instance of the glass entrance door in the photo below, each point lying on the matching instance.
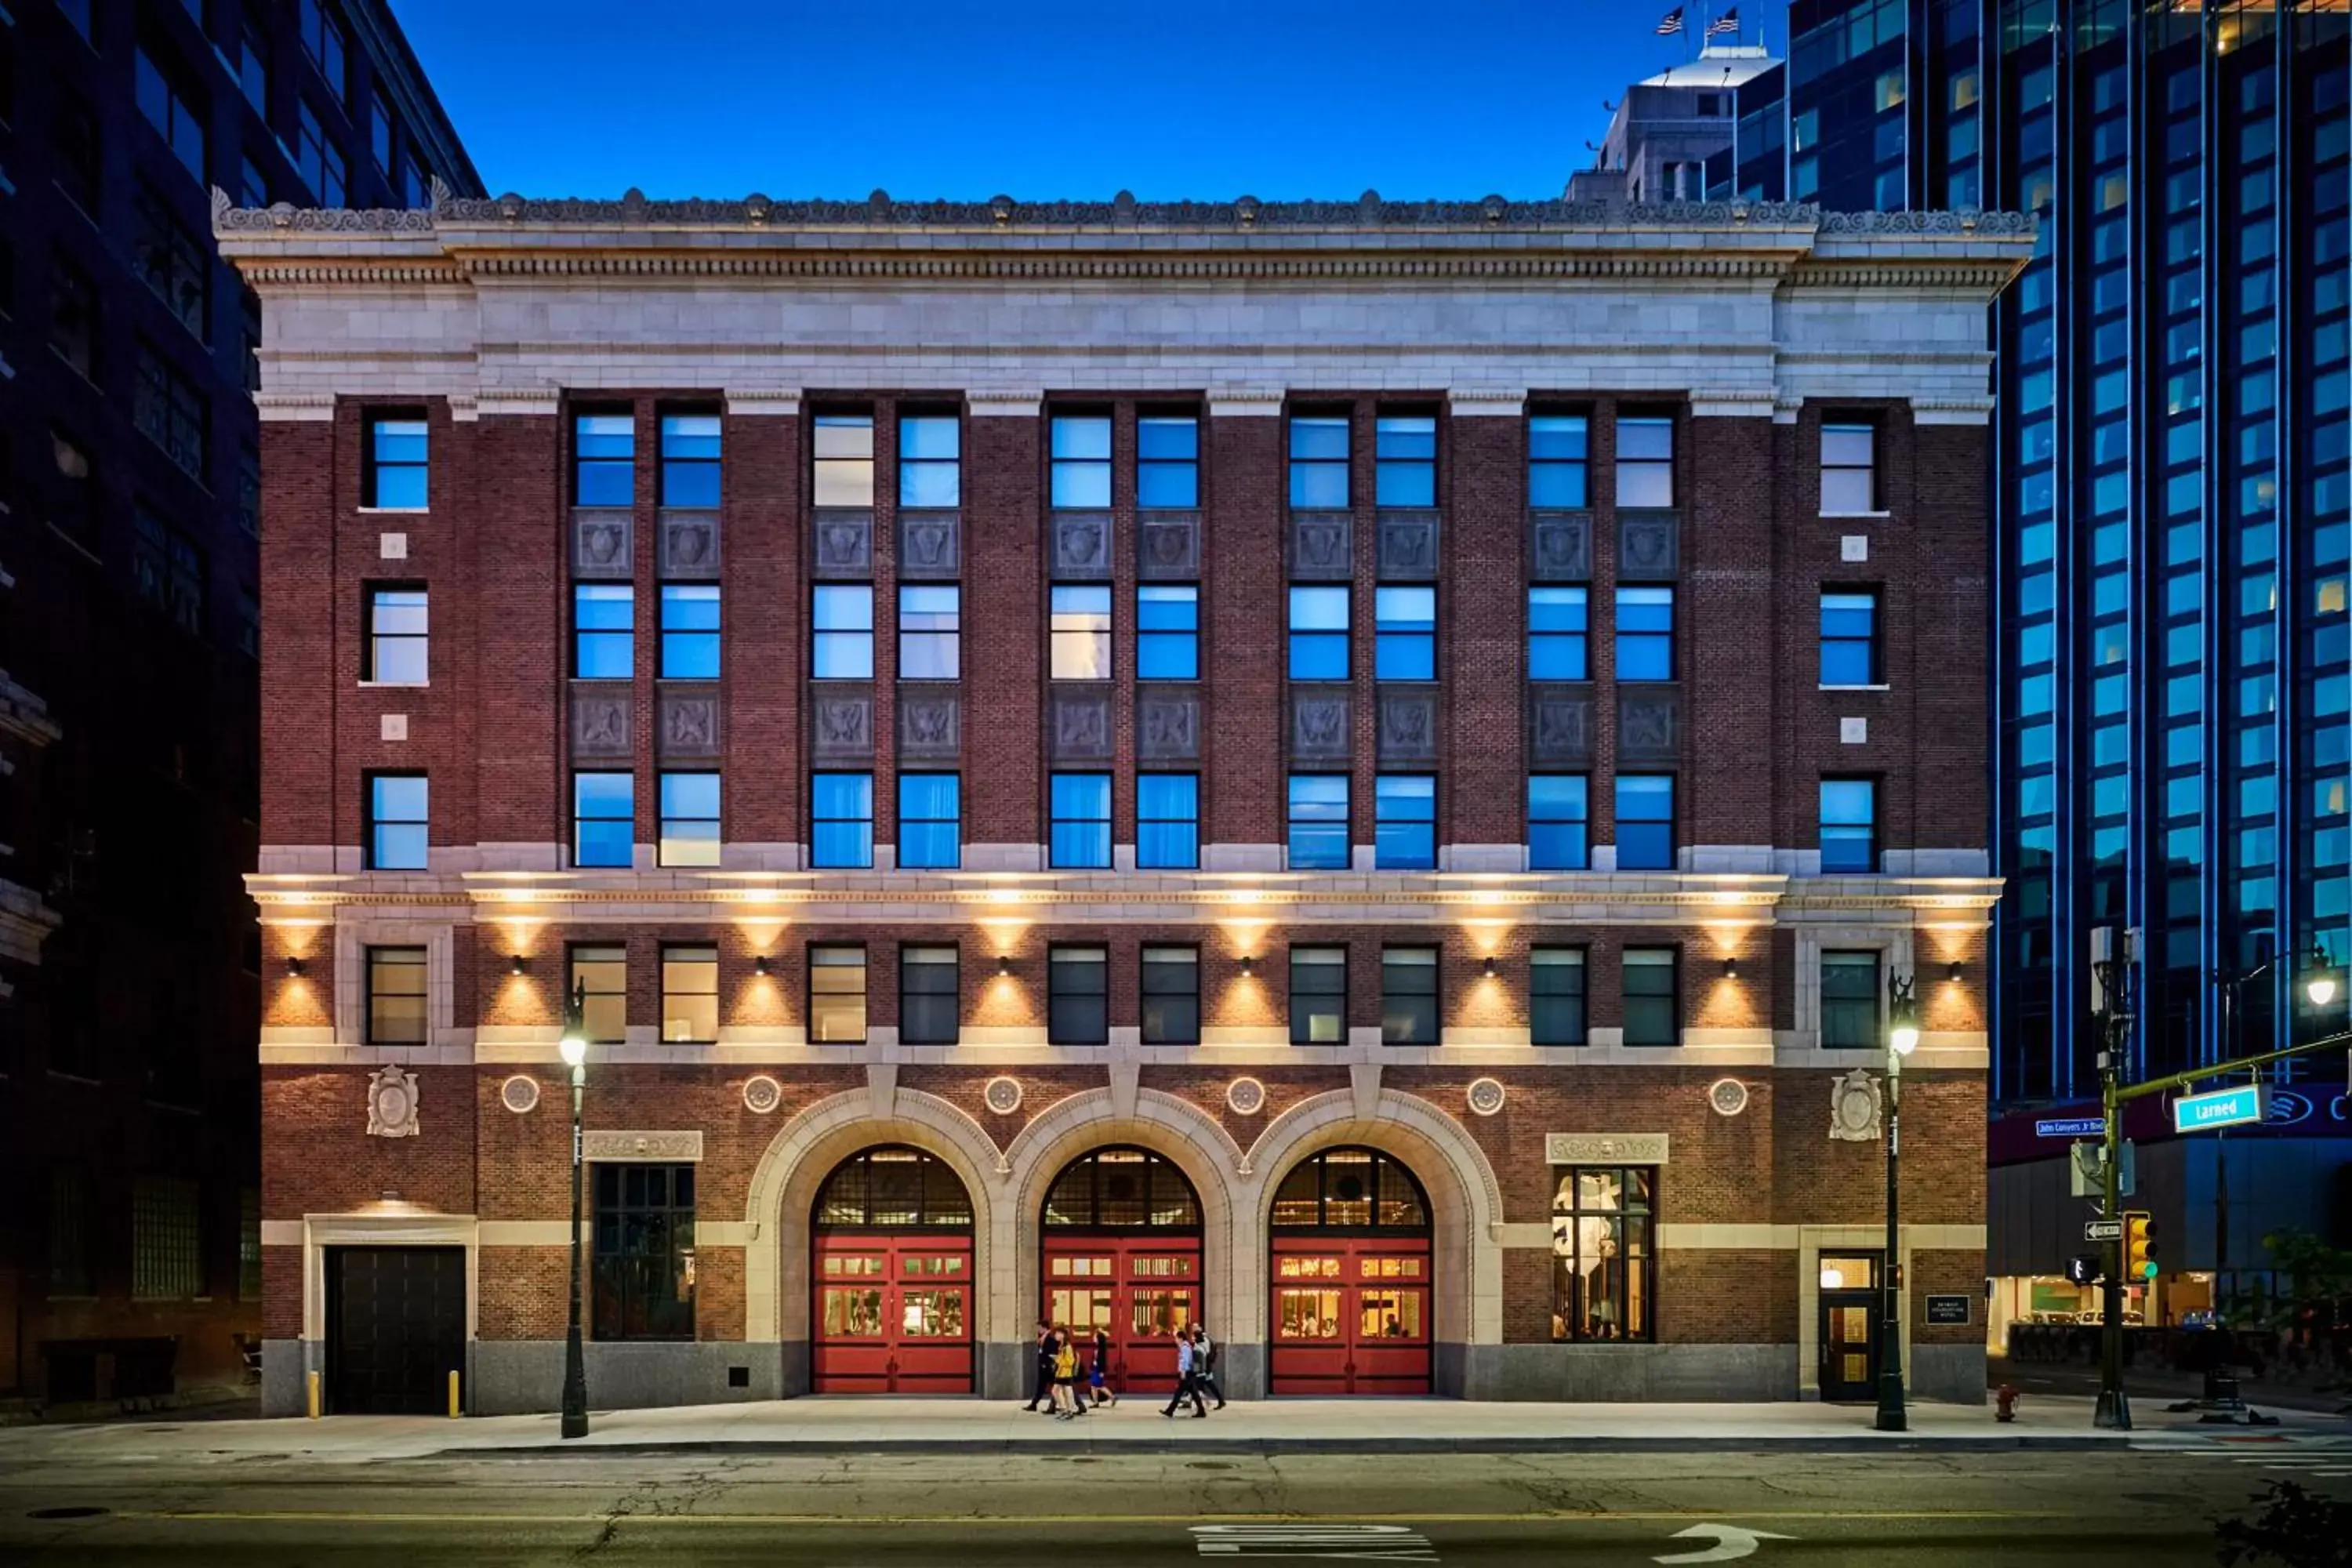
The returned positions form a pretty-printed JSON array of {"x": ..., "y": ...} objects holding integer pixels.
[
  {"x": 1139, "y": 1290},
  {"x": 1351, "y": 1316},
  {"x": 1848, "y": 1325}
]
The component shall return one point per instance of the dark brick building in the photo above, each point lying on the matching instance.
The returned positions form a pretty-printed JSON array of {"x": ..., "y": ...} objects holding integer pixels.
[
  {"x": 1357, "y": 771},
  {"x": 130, "y": 769}
]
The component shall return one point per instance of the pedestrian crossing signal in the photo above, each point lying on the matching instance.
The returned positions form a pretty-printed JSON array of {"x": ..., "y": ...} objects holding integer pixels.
[{"x": 2139, "y": 1245}]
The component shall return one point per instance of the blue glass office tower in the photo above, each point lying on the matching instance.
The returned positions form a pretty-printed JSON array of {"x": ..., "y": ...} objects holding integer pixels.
[{"x": 2171, "y": 473}]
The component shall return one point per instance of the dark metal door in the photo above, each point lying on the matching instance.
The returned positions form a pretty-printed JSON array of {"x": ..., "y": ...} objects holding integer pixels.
[{"x": 395, "y": 1328}]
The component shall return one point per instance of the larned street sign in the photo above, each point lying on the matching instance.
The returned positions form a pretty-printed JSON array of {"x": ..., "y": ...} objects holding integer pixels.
[
  {"x": 2103, "y": 1230},
  {"x": 2071, "y": 1126},
  {"x": 2221, "y": 1107}
]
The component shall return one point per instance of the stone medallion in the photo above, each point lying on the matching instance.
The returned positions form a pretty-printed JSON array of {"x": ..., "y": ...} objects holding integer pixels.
[
  {"x": 1727, "y": 1096},
  {"x": 519, "y": 1094},
  {"x": 1485, "y": 1096},
  {"x": 1245, "y": 1097},
  {"x": 1002, "y": 1095},
  {"x": 762, "y": 1094}
]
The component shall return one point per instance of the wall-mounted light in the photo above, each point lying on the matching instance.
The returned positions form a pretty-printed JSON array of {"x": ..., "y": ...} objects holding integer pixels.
[
  {"x": 1955, "y": 972},
  {"x": 517, "y": 964},
  {"x": 1487, "y": 968},
  {"x": 1249, "y": 965},
  {"x": 293, "y": 969},
  {"x": 1731, "y": 969},
  {"x": 1003, "y": 963},
  {"x": 759, "y": 965}
]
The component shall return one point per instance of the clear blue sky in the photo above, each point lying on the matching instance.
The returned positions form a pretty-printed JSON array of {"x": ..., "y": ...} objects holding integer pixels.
[{"x": 1277, "y": 99}]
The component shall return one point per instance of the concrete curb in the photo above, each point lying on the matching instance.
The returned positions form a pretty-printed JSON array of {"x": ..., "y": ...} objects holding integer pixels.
[{"x": 1268, "y": 1446}]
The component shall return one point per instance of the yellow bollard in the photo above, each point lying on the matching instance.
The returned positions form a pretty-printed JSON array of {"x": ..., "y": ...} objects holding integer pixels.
[
  {"x": 312, "y": 1379},
  {"x": 454, "y": 1411}
]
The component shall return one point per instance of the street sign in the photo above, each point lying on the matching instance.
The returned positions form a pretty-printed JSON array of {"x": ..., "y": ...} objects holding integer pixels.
[
  {"x": 2071, "y": 1126},
  {"x": 2103, "y": 1230},
  {"x": 1950, "y": 1311},
  {"x": 2221, "y": 1107}
]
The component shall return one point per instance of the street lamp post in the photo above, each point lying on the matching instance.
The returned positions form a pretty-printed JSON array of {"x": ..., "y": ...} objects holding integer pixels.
[
  {"x": 575, "y": 1045},
  {"x": 1902, "y": 1039}
]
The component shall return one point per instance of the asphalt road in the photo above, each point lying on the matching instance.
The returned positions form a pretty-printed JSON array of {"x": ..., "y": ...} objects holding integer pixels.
[{"x": 867, "y": 1511}]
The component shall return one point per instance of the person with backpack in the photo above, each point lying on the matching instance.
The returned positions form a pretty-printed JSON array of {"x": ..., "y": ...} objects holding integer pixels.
[
  {"x": 1044, "y": 1368},
  {"x": 1204, "y": 1366},
  {"x": 1186, "y": 1387}
]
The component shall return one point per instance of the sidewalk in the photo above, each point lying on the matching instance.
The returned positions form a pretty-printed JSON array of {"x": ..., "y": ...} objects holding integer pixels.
[{"x": 819, "y": 1426}]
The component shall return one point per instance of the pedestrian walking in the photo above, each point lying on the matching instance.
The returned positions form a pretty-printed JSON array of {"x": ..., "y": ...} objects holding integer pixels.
[
  {"x": 1099, "y": 1377},
  {"x": 1066, "y": 1374},
  {"x": 1186, "y": 1388},
  {"x": 1044, "y": 1370},
  {"x": 1204, "y": 1365}
]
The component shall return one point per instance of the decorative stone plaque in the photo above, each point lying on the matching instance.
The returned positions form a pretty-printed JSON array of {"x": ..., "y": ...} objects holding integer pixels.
[
  {"x": 841, "y": 728},
  {"x": 519, "y": 1094},
  {"x": 1646, "y": 545},
  {"x": 689, "y": 545},
  {"x": 392, "y": 547},
  {"x": 930, "y": 722},
  {"x": 762, "y": 1094},
  {"x": 930, "y": 544},
  {"x": 1853, "y": 547},
  {"x": 1168, "y": 726},
  {"x": 689, "y": 724},
  {"x": 1485, "y": 1096},
  {"x": 1081, "y": 725},
  {"x": 600, "y": 721},
  {"x": 1559, "y": 723},
  {"x": 392, "y": 727},
  {"x": 1408, "y": 724},
  {"x": 1408, "y": 544},
  {"x": 1081, "y": 544},
  {"x": 1726, "y": 1097},
  {"x": 1605, "y": 1148},
  {"x": 845, "y": 543},
  {"x": 1560, "y": 547},
  {"x": 1319, "y": 728},
  {"x": 1245, "y": 1097},
  {"x": 1002, "y": 1095},
  {"x": 641, "y": 1145},
  {"x": 1322, "y": 546},
  {"x": 602, "y": 542},
  {"x": 1854, "y": 1102},
  {"x": 1853, "y": 732},
  {"x": 392, "y": 1104},
  {"x": 1648, "y": 723},
  {"x": 1168, "y": 545}
]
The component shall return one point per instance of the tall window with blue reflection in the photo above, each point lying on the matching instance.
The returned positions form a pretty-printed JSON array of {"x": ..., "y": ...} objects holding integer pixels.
[
  {"x": 1646, "y": 634},
  {"x": 1849, "y": 638},
  {"x": 1556, "y": 634},
  {"x": 689, "y": 819},
  {"x": 1319, "y": 821},
  {"x": 603, "y": 818},
  {"x": 1558, "y": 817},
  {"x": 1167, "y": 462},
  {"x": 1081, "y": 460},
  {"x": 1404, "y": 460},
  {"x": 603, "y": 459},
  {"x": 689, "y": 459},
  {"x": 842, "y": 616},
  {"x": 1849, "y": 827},
  {"x": 1645, "y": 822},
  {"x": 1319, "y": 634},
  {"x": 1556, "y": 462},
  {"x": 1081, "y": 822},
  {"x": 930, "y": 631},
  {"x": 930, "y": 821},
  {"x": 931, "y": 460},
  {"x": 1404, "y": 634},
  {"x": 1166, "y": 822},
  {"x": 841, "y": 821},
  {"x": 689, "y": 631},
  {"x": 1318, "y": 461},
  {"x": 1167, "y": 631},
  {"x": 395, "y": 472},
  {"x": 397, "y": 834},
  {"x": 1404, "y": 825},
  {"x": 604, "y": 631}
]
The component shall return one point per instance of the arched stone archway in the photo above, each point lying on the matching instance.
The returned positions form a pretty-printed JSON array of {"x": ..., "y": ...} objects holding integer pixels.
[
  {"x": 804, "y": 1152},
  {"x": 1465, "y": 1201}
]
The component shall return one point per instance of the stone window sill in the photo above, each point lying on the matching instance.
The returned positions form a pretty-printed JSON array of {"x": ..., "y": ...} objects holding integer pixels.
[
  {"x": 1838, "y": 516},
  {"x": 394, "y": 510},
  {"x": 1881, "y": 686}
]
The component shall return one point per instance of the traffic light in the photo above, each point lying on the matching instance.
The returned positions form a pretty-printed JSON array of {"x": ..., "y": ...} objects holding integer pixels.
[
  {"x": 2139, "y": 1245},
  {"x": 2082, "y": 1269}
]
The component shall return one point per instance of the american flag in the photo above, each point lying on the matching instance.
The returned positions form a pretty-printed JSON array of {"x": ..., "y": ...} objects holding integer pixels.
[
  {"x": 1670, "y": 24},
  {"x": 1726, "y": 23}
]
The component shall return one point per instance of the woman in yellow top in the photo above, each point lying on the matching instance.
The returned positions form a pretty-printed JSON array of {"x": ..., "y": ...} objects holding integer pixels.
[{"x": 1066, "y": 1374}]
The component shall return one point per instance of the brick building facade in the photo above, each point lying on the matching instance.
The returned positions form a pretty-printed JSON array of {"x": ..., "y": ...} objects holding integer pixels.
[{"x": 1360, "y": 772}]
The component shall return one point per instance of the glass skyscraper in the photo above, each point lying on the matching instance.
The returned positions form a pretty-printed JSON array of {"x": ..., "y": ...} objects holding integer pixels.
[{"x": 2171, "y": 478}]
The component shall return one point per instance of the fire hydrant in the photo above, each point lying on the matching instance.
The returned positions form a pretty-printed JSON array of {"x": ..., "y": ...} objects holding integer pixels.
[{"x": 2004, "y": 1402}]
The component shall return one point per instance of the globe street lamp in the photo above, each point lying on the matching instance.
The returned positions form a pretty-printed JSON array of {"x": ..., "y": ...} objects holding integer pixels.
[
  {"x": 575, "y": 1047},
  {"x": 1902, "y": 1039}
]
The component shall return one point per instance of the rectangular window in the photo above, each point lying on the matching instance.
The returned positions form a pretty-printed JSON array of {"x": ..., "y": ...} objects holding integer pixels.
[
  {"x": 74, "y": 136},
  {"x": 1166, "y": 822},
  {"x": 396, "y": 822},
  {"x": 690, "y": 982},
  {"x": 689, "y": 631},
  {"x": 395, "y": 476},
  {"x": 168, "y": 411},
  {"x": 1556, "y": 462},
  {"x": 1172, "y": 995},
  {"x": 1318, "y": 996},
  {"x": 173, "y": 263},
  {"x": 1405, "y": 809},
  {"x": 1850, "y": 1001},
  {"x": 322, "y": 35},
  {"x": 1557, "y": 812},
  {"x": 380, "y": 136},
  {"x": 931, "y": 466},
  {"x": 1318, "y": 461},
  {"x": 1404, "y": 634},
  {"x": 1319, "y": 821},
  {"x": 928, "y": 987},
  {"x": 167, "y": 1259},
  {"x": 1167, "y": 462},
  {"x": 843, "y": 619},
  {"x": 168, "y": 569},
  {"x": 930, "y": 636},
  {"x": 1848, "y": 469},
  {"x": 1081, "y": 632},
  {"x": 1409, "y": 997},
  {"x": 1849, "y": 638},
  {"x": 1167, "y": 632},
  {"x": 929, "y": 822},
  {"x": 1404, "y": 460},
  {"x": 1849, "y": 827},
  {"x": 1645, "y": 822},
  {"x": 68, "y": 1233},
  {"x": 603, "y": 459},
  {"x": 395, "y": 996},
  {"x": 1556, "y": 995},
  {"x": 1652, "y": 1017},
  {"x": 845, "y": 459},
  {"x": 317, "y": 160},
  {"x": 689, "y": 819},
  {"x": 248, "y": 1243},
  {"x": 600, "y": 976},
  {"x": 1556, "y": 634},
  {"x": 1319, "y": 634},
  {"x": 1081, "y": 460},
  {"x": 644, "y": 1261},
  {"x": 253, "y": 190},
  {"x": 1081, "y": 828},
  {"x": 1077, "y": 996},
  {"x": 604, "y": 631},
  {"x": 73, "y": 316},
  {"x": 253, "y": 71},
  {"x": 1646, "y": 634},
  {"x": 689, "y": 459},
  {"x": 603, "y": 819},
  {"x": 1645, "y": 460},
  {"x": 841, "y": 810},
  {"x": 837, "y": 1009},
  {"x": 1604, "y": 1257},
  {"x": 396, "y": 638},
  {"x": 173, "y": 109}
]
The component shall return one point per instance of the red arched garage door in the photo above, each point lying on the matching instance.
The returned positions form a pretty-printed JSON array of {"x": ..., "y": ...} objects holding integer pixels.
[
  {"x": 1122, "y": 1233},
  {"x": 1350, "y": 1274},
  {"x": 892, "y": 1271}
]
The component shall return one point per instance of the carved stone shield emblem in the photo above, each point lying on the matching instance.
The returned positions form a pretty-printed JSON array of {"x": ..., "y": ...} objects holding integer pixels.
[
  {"x": 1855, "y": 1104},
  {"x": 392, "y": 1104}
]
